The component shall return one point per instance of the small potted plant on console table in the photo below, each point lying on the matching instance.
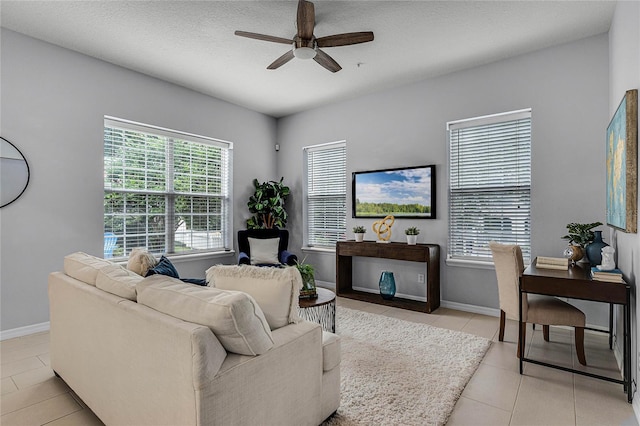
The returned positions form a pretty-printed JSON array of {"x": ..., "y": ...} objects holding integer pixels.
[
  {"x": 358, "y": 232},
  {"x": 412, "y": 235}
]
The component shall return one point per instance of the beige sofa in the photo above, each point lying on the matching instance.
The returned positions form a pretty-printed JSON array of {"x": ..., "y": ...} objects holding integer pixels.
[{"x": 115, "y": 344}]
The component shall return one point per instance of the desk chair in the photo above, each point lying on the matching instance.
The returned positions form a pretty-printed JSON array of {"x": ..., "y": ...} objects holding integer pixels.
[{"x": 544, "y": 310}]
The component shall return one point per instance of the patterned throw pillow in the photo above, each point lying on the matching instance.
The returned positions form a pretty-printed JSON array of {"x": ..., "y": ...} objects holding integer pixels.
[
  {"x": 164, "y": 267},
  {"x": 140, "y": 261}
]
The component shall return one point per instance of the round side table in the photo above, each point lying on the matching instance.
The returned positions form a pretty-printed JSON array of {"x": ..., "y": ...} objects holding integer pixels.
[{"x": 321, "y": 309}]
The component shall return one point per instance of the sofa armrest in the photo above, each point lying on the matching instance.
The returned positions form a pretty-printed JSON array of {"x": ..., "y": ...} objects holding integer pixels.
[
  {"x": 288, "y": 258},
  {"x": 288, "y": 376},
  {"x": 243, "y": 259}
]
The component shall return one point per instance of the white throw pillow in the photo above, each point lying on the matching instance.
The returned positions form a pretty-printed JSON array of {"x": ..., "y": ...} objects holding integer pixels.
[
  {"x": 84, "y": 267},
  {"x": 140, "y": 261},
  {"x": 277, "y": 290},
  {"x": 234, "y": 317},
  {"x": 116, "y": 279},
  {"x": 264, "y": 250}
]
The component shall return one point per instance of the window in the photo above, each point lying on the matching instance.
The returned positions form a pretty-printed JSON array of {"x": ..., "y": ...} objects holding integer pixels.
[
  {"x": 489, "y": 184},
  {"x": 326, "y": 194},
  {"x": 164, "y": 190}
]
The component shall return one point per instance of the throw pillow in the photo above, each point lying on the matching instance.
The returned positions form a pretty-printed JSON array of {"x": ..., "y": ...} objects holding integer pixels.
[
  {"x": 164, "y": 267},
  {"x": 264, "y": 251},
  {"x": 276, "y": 290},
  {"x": 234, "y": 317},
  {"x": 118, "y": 280},
  {"x": 84, "y": 267},
  {"x": 140, "y": 261}
]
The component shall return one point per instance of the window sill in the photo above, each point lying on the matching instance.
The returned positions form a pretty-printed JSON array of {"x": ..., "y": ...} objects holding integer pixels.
[
  {"x": 469, "y": 264},
  {"x": 197, "y": 256},
  {"x": 320, "y": 250},
  {"x": 177, "y": 258}
]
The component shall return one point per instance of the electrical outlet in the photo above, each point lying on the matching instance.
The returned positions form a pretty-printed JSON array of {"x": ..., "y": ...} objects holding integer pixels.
[{"x": 421, "y": 278}]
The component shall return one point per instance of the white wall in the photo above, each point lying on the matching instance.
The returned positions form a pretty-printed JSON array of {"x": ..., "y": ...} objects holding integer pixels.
[
  {"x": 567, "y": 88},
  {"x": 53, "y": 101},
  {"x": 624, "y": 74},
  {"x": 52, "y": 106}
]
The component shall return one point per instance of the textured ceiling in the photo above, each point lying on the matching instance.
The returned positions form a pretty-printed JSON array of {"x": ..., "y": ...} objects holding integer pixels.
[{"x": 191, "y": 43}]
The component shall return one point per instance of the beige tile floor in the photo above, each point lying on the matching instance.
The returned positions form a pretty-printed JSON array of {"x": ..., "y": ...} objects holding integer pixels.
[{"x": 496, "y": 395}]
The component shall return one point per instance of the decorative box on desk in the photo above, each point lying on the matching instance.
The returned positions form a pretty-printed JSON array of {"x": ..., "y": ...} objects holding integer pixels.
[{"x": 426, "y": 253}]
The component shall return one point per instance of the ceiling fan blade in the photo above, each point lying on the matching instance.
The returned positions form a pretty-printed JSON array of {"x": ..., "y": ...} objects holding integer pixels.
[
  {"x": 281, "y": 60},
  {"x": 306, "y": 19},
  {"x": 263, "y": 37},
  {"x": 345, "y": 39},
  {"x": 326, "y": 61}
]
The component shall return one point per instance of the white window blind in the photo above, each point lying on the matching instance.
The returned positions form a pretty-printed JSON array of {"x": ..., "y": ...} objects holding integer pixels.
[
  {"x": 489, "y": 184},
  {"x": 164, "y": 190},
  {"x": 326, "y": 194}
]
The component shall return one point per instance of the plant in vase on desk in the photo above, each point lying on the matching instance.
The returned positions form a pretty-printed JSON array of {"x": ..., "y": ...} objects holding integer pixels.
[
  {"x": 412, "y": 235},
  {"x": 358, "y": 232},
  {"x": 580, "y": 235}
]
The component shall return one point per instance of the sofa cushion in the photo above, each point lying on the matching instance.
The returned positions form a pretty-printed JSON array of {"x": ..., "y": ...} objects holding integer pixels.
[
  {"x": 275, "y": 289},
  {"x": 118, "y": 280},
  {"x": 264, "y": 251},
  {"x": 330, "y": 351},
  {"x": 140, "y": 261},
  {"x": 84, "y": 267},
  {"x": 163, "y": 267},
  {"x": 234, "y": 317}
]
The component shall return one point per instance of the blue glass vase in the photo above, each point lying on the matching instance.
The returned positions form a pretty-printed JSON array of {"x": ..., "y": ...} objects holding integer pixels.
[
  {"x": 387, "y": 285},
  {"x": 594, "y": 250}
]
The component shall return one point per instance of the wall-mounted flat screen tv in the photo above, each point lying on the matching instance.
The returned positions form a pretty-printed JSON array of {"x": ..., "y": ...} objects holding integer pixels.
[{"x": 407, "y": 192}]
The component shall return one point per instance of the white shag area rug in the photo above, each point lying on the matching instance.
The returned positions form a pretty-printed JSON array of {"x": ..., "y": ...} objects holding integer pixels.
[{"x": 396, "y": 372}]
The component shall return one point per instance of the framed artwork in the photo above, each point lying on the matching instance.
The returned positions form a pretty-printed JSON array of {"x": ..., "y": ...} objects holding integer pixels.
[{"x": 622, "y": 165}]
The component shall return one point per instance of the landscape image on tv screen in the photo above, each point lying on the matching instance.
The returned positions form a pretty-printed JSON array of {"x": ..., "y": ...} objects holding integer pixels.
[{"x": 404, "y": 192}]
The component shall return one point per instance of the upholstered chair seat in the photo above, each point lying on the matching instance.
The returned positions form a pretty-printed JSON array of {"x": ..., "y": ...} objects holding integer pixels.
[
  {"x": 536, "y": 309},
  {"x": 547, "y": 310}
]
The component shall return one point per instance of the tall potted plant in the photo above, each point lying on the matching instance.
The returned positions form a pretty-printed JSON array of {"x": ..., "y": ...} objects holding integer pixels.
[{"x": 267, "y": 205}]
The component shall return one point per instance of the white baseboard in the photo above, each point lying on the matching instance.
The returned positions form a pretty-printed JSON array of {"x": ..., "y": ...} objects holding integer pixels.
[
  {"x": 24, "y": 331},
  {"x": 636, "y": 408},
  {"x": 326, "y": 284},
  {"x": 491, "y": 312},
  {"x": 403, "y": 296}
]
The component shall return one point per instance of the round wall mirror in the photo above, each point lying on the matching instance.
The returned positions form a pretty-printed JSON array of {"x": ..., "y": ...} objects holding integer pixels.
[{"x": 14, "y": 173}]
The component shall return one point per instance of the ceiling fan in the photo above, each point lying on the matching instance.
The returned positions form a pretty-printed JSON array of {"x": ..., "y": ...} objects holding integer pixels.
[{"x": 306, "y": 45}]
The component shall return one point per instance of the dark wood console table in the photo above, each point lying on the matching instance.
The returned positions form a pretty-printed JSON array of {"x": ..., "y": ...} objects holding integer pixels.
[{"x": 427, "y": 253}]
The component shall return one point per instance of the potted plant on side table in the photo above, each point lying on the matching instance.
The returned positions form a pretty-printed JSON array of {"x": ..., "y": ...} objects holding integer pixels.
[{"x": 308, "y": 280}]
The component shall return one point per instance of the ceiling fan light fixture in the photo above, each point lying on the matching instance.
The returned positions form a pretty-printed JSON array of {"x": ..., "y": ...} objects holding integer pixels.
[{"x": 304, "y": 52}]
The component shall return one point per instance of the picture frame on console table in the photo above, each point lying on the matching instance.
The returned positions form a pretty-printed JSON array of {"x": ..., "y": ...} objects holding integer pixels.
[{"x": 622, "y": 165}]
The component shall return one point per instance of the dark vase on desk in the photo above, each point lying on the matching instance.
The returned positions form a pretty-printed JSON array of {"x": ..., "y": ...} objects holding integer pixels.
[{"x": 594, "y": 250}]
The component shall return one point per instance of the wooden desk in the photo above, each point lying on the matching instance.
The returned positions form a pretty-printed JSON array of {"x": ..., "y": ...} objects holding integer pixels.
[
  {"x": 427, "y": 253},
  {"x": 576, "y": 283}
]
